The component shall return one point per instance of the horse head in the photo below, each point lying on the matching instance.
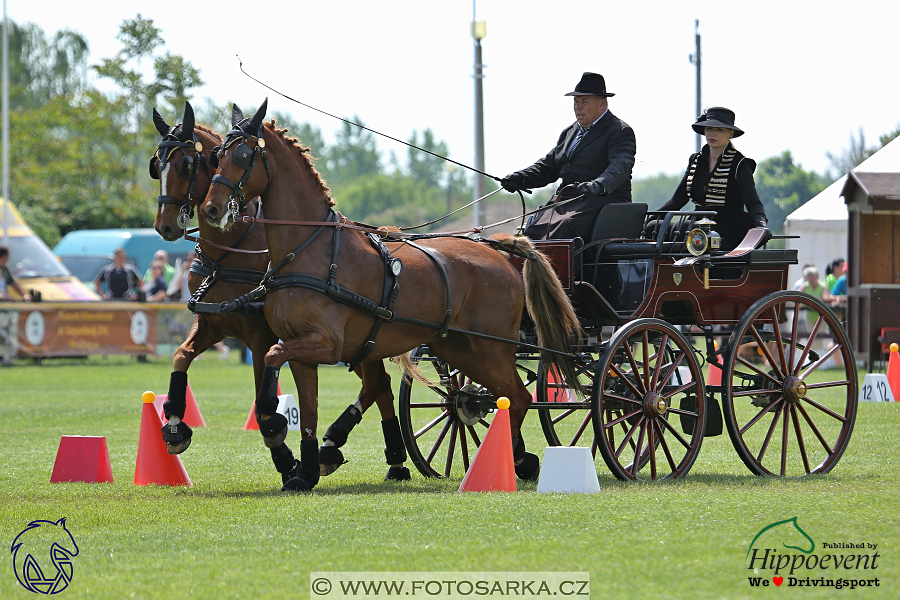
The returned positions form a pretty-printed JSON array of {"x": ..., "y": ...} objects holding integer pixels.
[
  {"x": 43, "y": 543},
  {"x": 785, "y": 533},
  {"x": 181, "y": 163},
  {"x": 238, "y": 169}
]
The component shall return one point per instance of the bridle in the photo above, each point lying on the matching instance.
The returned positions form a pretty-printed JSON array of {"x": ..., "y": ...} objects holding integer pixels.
[
  {"x": 187, "y": 167},
  {"x": 244, "y": 157}
]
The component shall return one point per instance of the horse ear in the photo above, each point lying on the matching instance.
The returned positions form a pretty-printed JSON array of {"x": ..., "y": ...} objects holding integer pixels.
[
  {"x": 256, "y": 121},
  {"x": 236, "y": 115},
  {"x": 187, "y": 128},
  {"x": 161, "y": 126}
]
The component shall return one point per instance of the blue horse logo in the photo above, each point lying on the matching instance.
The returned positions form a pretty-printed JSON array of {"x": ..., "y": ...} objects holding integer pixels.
[
  {"x": 788, "y": 531},
  {"x": 38, "y": 539}
]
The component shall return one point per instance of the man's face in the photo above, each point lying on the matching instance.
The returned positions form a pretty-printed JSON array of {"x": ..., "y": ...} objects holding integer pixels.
[
  {"x": 588, "y": 109},
  {"x": 119, "y": 258}
]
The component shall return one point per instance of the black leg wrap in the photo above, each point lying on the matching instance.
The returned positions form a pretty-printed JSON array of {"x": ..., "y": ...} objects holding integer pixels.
[
  {"x": 394, "y": 450},
  {"x": 339, "y": 430},
  {"x": 273, "y": 429},
  {"x": 177, "y": 437},
  {"x": 307, "y": 475},
  {"x": 397, "y": 474},
  {"x": 282, "y": 458},
  {"x": 527, "y": 465},
  {"x": 176, "y": 402},
  {"x": 330, "y": 460}
]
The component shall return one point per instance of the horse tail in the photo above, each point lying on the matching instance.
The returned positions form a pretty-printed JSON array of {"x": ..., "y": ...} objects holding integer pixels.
[
  {"x": 411, "y": 370},
  {"x": 554, "y": 318}
]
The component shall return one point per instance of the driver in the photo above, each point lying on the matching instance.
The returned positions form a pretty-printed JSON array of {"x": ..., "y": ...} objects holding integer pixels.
[{"x": 596, "y": 154}]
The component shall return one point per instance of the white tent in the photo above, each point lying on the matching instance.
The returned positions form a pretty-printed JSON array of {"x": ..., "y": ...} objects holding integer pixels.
[{"x": 821, "y": 223}]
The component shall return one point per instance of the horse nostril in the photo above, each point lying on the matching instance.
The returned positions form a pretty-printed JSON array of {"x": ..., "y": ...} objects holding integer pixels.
[{"x": 212, "y": 213}]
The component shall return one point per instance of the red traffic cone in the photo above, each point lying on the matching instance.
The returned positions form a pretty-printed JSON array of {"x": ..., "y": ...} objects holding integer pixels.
[
  {"x": 713, "y": 373},
  {"x": 154, "y": 465},
  {"x": 251, "y": 424},
  {"x": 555, "y": 393},
  {"x": 893, "y": 372},
  {"x": 493, "y": 470},
  {"x": 82, "y": 458}
]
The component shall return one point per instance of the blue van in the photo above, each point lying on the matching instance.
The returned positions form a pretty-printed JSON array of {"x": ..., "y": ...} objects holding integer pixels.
[{"x": 87, "y": 251}]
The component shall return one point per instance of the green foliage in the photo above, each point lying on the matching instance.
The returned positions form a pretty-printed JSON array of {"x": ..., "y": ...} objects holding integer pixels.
[
  {"x": 654, "y": 190},
  {"x": 353, "y": 155},
  {"x": 783, "y": 187},
  {"x": 393, "y": 199}
]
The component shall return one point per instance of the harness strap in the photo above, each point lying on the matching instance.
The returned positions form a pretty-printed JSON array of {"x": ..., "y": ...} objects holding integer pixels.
[{"x": 445, "y": 326}]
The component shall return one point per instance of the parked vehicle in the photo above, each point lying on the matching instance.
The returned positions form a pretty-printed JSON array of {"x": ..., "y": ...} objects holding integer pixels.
[{"x": 34, "y": 266}]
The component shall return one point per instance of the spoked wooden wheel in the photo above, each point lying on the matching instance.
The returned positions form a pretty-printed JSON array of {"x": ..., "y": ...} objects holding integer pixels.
[
  {"x": 443, "y": 426},
  {"x": 648, "y": 421},
  {"x": 789, "y": 386},
  {"x": 565, "y": 416}
]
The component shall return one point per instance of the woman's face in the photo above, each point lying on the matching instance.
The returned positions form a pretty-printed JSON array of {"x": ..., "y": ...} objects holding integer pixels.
[{"x": 717, "y": 137}]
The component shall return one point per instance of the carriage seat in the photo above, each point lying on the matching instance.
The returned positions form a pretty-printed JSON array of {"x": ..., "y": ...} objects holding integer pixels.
[{"x": 618, "y": 221}]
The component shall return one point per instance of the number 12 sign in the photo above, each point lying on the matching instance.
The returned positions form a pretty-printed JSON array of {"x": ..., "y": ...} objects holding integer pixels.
[{"x": 875, "y": 388}]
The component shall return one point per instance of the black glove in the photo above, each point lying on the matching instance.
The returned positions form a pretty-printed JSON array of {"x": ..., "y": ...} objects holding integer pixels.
[
  {"x": 591, "y": 188},
  {"x": 513, "y": 183}
]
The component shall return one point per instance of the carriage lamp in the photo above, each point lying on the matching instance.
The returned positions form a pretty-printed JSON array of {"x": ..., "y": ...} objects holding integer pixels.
[{"x": 703, "y": 238}]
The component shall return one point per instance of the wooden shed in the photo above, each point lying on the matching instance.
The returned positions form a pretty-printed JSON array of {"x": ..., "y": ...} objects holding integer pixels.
[{"x": 873, "y": 260}]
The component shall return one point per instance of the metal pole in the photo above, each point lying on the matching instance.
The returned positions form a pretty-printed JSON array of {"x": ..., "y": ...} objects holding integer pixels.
[
  {"x": 5, "y": 141},
  {"x": 479, "y": 30},
  {"x": 697, "y": 63}
]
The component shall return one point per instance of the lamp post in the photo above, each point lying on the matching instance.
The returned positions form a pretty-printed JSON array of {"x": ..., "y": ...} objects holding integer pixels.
[
  {"x": 4, "y": 190},
  {"x": 695, "y": 60},
  {"x": 479, "y": 31}
]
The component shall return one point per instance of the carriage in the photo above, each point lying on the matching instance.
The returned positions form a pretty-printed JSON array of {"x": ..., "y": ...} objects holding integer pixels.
[{"x": 655, "y": 307}]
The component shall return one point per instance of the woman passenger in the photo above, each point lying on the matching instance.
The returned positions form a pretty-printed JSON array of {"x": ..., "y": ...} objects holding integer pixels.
[{"x": 719, "y": 178}]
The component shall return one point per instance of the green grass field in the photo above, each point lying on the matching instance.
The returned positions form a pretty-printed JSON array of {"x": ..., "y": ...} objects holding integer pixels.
[{"x": 235, "y": 535}]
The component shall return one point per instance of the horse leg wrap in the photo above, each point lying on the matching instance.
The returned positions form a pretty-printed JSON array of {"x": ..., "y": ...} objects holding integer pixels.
[
  {"x": 177, "y": 437},
  {"x": 273, "y": 429},
  {"x": 394, "y": 450},
  {"x": 307, "y": 474},
  {"x": 527, "y": 465},
  {"x": 176, "y": 402},
  {"x": 339, "y": 430},
  {"x": 284, "y": 461},
  {"x": 397, "y": 474}
]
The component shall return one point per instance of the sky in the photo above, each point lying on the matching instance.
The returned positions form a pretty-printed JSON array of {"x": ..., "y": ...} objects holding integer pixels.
[{"x": 800, "y": 76}]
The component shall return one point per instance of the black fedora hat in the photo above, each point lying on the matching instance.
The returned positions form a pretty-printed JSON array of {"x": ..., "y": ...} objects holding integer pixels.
[
  {"x": 591, "y": 84},
  {"x": 717, "y": 116}
]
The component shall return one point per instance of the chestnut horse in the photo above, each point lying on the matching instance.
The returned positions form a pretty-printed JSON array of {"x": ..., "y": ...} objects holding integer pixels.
[
  {"x": 462, "y": 297},
  {"x": 182, "y": 166}
]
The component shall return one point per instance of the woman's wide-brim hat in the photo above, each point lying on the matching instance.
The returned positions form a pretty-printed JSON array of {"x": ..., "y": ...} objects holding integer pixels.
[
  {"x": 717, "y": 116},
  {"x": 591, "y": 84}
]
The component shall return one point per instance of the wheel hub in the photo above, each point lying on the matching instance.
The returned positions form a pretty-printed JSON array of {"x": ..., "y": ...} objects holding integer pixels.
[
  {"x": 471, "y": 404},
  {"x": 655, "y": 404},
  {"x": 794, "y": 389}
]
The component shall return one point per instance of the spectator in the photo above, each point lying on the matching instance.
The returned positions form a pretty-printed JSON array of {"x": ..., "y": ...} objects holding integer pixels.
[
  {"x": 121, "y": 278},
  {"x": 798, "y": 285},
  {"x": 168, "y": 270},
  {"x": 7, "y": 280},
  {"x": 813, "y": 287},
  {"x": 834, "y": 271},
  {"x": 185, "y": 273},
  {"x": 156, "y": 289},
  {"x": 839, "y": 290}
]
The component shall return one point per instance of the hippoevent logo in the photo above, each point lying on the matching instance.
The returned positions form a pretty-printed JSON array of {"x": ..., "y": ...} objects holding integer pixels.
[
  {"x": 782, "y": 553},
  {"x": 42, "y": 556}
]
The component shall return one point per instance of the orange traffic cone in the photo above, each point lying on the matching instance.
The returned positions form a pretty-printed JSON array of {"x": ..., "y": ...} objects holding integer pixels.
[
  {"x": 555, "y": 393},
  {"x": 713, "y": 373},
  {"x": 493, "y": 469},
  {"x": 251, "y": 424},
  {"x": 154, "y": 464},
  {"x": 82, "y": 458},
  {"x": 192, "y": 414},
  {"x": 893, "y": 372}
]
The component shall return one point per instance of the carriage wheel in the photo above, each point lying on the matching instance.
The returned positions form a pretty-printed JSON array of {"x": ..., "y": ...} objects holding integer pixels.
[
  {"x": 443, "y": 426},
  {"x": 789, "y": 399},
  {"x": 648, "y": 423},
  {"x": 569, "y": 422}
]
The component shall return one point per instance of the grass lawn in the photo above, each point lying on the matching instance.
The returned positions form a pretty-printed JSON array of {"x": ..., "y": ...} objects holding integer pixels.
[{"x": 235, "y": 535}]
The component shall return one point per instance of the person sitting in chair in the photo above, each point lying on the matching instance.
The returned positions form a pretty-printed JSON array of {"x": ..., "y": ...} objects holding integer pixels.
[
  {"x": 593, "y": 156},
  {"x": 720, "y": 178}
]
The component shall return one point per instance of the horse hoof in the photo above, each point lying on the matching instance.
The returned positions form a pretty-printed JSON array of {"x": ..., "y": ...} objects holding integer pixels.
[
  {"x": 397, "y": 474},
  {"x": 285, "y": 477},
  {"x": 330, "y": 460},
  {"x": 274, "y": 429},
  {"x": 529, "y": 468},
  {"x": 297, "y": 484},
  {"x": 177, "y": 437},
  {"x": 178, "y": 448}
]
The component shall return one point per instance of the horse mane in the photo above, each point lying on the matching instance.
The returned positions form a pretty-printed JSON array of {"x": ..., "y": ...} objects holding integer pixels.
[
  {"x": 304, "y": 155},
  {"x": 208, "y": 131}
]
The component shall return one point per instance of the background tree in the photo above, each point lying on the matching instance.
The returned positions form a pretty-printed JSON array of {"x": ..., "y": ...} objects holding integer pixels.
[{"x": 784, "y": 187}]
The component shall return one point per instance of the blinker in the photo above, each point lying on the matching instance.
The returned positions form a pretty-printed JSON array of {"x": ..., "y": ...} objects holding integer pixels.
[{"x": 242, "y": 155}]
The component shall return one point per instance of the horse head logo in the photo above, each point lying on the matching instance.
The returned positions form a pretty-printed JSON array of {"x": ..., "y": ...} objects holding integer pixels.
[
  {"x": 786, "y": 531},
  {"x": 38, "y": 540}
]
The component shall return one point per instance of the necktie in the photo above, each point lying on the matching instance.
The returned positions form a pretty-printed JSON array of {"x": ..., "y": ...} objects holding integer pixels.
[{"x": 583, "y": 130}]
